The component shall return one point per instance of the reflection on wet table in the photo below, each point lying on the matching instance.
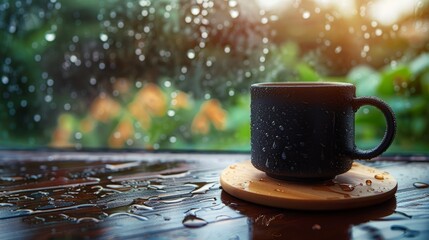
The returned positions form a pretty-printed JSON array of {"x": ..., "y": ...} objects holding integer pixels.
[{"x": 166, "y": 195}]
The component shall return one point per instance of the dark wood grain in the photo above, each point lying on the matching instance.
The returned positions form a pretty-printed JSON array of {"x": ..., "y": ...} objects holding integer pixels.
[{"x": 45, "y": 195}]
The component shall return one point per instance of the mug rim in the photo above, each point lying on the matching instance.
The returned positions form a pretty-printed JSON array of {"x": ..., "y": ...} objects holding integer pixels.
[{"x": 301, "y": 84}]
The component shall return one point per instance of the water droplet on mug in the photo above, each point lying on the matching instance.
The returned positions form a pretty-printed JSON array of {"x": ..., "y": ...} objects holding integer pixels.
[
  {"x": 281, "y": 128},
  {"x": 379, "y": 176},
  {"x": 274, "y": 145},
  {"x": 347, "y": 187},
  {"x": 420, "y": 185},
  {"x": 368, "y": 182},
  {"x": 316, "y": 227},
  {"x": 284, "y": 156},
  {"x": 192, "y": 221}
]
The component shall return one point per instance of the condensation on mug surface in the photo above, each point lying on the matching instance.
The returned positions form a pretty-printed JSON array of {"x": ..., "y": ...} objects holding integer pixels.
[{"x": 303, "y": 130}]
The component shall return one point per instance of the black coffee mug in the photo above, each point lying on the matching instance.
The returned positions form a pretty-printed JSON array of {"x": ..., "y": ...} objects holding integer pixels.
[{"x": 306, "y": 131}]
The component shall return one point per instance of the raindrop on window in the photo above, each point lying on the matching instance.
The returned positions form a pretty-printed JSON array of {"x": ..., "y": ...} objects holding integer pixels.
[
  {"x": 338, "y": 49},
  {"x": 48, "y": 98},
  {"x": 195, "y": 10},
  {"x": 265, "y": 40},
  {"x": 378, "y": 32},
  {"x": 306, "y": 15},
  {"x": 265, "y": 50},
  {"x": 234, "y": 13},
  {"x": 274, "y": 18},
  {"x": 188, "y": 19},
  {"x": 50, "y": 37},
  {"x": 365, "y": 48},
  {"x": 75, "y": 39},
  {"x": 23, "y": 103},
  {"x": 78, "y": 135},
  {"x": 92, "y": 81},
  {"x": 144, "y": 3},
  {"x": 31, "y": 88},
  {"x": 103, "y": 37},
  {"x": 367, "y": 36},
  {"x": 328, "y": 27},
  {"x": 232, "y": 3},
  {"x": 37, "y": 58},
  {"x": 191, "y": 54},
  {"x": 171, "y": 113},
  {"x": 37, "y": 118},
  {"x": 4, "y": 79},
  {"x": 227, "y": 49},
  {"x": 67, "y": 107}
]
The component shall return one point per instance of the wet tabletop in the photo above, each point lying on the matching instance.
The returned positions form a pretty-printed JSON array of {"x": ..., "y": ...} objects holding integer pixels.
[{"x": 45, "y": 195}]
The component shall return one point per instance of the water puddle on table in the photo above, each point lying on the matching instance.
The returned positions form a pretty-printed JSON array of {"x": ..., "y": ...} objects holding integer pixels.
[
  {"x": 158, "y": 194},
  {"x": 170, "y": 195}
]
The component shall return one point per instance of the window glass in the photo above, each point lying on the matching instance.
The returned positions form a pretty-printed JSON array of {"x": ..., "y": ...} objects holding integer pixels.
[{"x": 175, "y": 74}]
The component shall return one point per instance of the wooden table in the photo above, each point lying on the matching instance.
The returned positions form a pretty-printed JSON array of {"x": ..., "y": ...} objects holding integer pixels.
[{"x": 143, "y": 195}]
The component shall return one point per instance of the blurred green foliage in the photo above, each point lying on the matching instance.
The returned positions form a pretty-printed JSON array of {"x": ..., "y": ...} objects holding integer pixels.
[{"x": 404, "y": 85}]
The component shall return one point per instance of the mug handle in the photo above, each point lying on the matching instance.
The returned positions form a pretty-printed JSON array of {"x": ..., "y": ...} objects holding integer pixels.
[{"x": 390, "y": 127}]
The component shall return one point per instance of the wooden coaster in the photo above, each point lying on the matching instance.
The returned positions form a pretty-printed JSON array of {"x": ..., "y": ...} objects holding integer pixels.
[{"x": 360, "y": 186}]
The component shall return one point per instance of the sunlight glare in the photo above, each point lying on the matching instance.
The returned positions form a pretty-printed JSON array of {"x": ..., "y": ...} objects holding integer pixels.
[
  {"x": 270, "y": 5},
  {"x": 388, "y": 12},
  {"x": 345, "y": 7}
]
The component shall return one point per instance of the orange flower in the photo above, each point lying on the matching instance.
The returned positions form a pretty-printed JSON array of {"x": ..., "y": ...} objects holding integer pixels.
[
  {"x": 152, "y": 99},
  {"x": 60, "y": 138},
  {"x": 104, "y": 108},
  {"x": 61, "y": 135},
  {"x": 139, "y": 112},
  {"x": 200, "y": 124},
  {"x": 87, "y": 124},
  {"x": 215, "y": 113},
  {"x": 180, "y": 100},
  {"x": 122, "y": 85},
  {"x": 210, "y": 111},
  {"x": 123, "y": 131}
]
